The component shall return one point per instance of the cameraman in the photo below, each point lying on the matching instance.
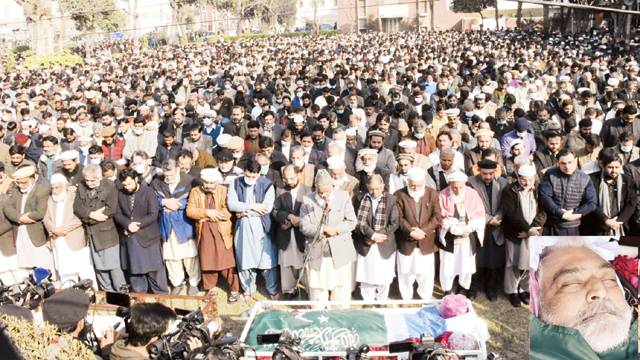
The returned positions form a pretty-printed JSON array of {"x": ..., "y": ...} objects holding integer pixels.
[
  {"x": 66, "y": 310},
  {"x": 147, "y": 323}
]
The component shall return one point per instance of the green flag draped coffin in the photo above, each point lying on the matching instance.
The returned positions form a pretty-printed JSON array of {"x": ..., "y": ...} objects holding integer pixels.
[{"x": 336, "y": 330}]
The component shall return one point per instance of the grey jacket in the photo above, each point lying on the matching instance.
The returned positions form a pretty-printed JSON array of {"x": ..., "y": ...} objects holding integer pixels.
[
  {"x": 342, "y": 216},
  {"x": 498, "y": 186}
]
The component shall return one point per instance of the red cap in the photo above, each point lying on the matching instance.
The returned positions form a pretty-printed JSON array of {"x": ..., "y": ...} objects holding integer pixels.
[{"x": 21, "y": 139}]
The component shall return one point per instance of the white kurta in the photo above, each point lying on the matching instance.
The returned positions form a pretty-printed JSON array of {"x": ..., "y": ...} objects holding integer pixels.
[
  {"x": 374, "y": 269},
  {"x": 30, "y": 256},
  {"x": 70, "y": 264}
]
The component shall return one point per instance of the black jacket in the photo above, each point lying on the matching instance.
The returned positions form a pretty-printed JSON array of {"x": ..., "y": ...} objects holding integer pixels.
[
  {"x": 145, "y": 211},
  {"x": 103, "y": 234},
  {"x": 513, "y": 221},
  {"x": 593, "y": 223}
]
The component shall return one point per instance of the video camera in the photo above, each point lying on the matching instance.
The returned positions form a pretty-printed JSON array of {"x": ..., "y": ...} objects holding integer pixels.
[
  {"x": 30, "y": 292},
  {"x": 288, "y": 347},
  {"x": 174, "y": 345},
  {"x": 226, "y": 348},
  {"x": 427, "y": 349}
]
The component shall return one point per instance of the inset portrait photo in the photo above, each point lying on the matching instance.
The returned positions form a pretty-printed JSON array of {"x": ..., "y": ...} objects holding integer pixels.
[{"x": 584, "y": 297}]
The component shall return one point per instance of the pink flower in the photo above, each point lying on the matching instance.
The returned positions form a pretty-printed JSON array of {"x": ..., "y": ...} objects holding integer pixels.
[
  {"x": 453, "y": 305},
  {"x": 628, "y": 268}
]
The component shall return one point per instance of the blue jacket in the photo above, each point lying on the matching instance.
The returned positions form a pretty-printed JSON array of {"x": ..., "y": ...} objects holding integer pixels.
[{"x": 174, "y": 220}]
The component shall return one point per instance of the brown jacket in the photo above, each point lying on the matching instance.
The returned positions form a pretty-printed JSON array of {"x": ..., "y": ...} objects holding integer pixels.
[
  {"x": 7, "y": 243},
  {"x": 428, "y": 222},
  {"x": 197, "y": 211},
  {"x": 35, "y": 207},
  {"x": 71, "y": 225}
]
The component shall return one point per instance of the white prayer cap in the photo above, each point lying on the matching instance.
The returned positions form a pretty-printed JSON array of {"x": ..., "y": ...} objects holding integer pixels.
[
  {"x": 44, "y": 128},
  {"x": 210, "y": 175},
  {"x": 564, "y": 78},
  {"x": 30, "y": 123},
  {"x": 581, "y": 90},
  {"x": 515, "y": 142},
  {"x": 208, "y": 113},
  {"x": 484, "y": 132},
  {"x": 486, "y": 89},
  {"x": 527, "y": 170},
  {"x": 351, "y": 131},
  {"x": 335, "y": 162},
  {"x": 367, "y": 151},
  {"x": 69, "y": 155},
  {"x": 480, "y": 96},
  {"x": 408, "y": 144},
  {"x": 297, "y": 118},
  {"x": 457, "y": 176},
  {"x": 613, "y": 81},
  {"x": 416, "y": 174},
  {"x": 85, "y": 139},
  {"x": 24, "y": 172},
  {"x": 453, "y": 112},
  {"x": 223, "y": 139},
  {"x": 323, "y": 178},
  {"x": 58, "y": 178}
]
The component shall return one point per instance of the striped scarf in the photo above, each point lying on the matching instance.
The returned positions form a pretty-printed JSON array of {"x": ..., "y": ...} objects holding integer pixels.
[{"x": 379, "y": 218}]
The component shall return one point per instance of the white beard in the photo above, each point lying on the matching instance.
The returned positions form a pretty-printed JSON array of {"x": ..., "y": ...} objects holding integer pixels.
[
  {"x": 416, "y": 195},
  {"x": 58, "y": 197},
  {"x": 603, "y": 332}
]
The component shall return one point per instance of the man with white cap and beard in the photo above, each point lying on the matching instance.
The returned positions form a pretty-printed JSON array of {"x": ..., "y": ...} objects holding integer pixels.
[
  {"x": 71, "y": 168},
  {"x": 341, "y": 180},
  {"x": 522, "y": 217},
  {"x": 70, "y": 251},
  {"x": 207, "y": 206},
  {"x": 461, "y": 232},
  {"x": 25, "y": 210},
  {"x": 329, "y": 244},
  {"x": 419, "y": 214},
  {"x": 369, "y": 159}
]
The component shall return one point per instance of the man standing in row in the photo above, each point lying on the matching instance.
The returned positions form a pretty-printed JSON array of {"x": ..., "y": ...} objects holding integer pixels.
[
  {"x": 208, "y": 207},
  {"x": 95, "y": 205},
  {"x": 137, "y": 216},
  {"x": 290, "y": 241}
]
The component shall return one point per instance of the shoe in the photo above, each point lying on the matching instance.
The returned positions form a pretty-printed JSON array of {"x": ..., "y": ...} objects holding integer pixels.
[
  {"x": 274, "y": 297},
  {"x": 234, "y": 297},
  {"x": 525, "y": 297},
  {"x": 448, "y": 292},
  {"x": 514, "y": 299},
  {"x": 470, "y": 294},
  {"x": 288, "y": 296},
  {"x": 491, "y": 295},
  {"x": 193, "y": 291},
  {"x": 176, "y": 290}
]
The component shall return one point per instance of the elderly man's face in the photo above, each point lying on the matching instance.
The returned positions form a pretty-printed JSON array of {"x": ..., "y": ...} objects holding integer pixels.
[
  {"x": 375, "y": 188},
  {"x": 369, "y": 160},
  {"x": 579, "y": 289},
  {"x": 527, "y": 182},
  {"x": 57, "y": 188},
  {"x": 457, "y": 187}
]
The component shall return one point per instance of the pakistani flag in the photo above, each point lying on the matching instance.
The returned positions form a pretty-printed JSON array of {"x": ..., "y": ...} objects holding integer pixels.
[{"x": 336, "y": 330}]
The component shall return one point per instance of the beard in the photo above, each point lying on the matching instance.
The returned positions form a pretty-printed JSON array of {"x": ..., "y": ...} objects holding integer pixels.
[
  {"x": 58, "y": 197},
  {"x": 603, "y": 326}
]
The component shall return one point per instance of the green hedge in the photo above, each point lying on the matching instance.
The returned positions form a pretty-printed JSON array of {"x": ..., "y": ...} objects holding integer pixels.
[{"x": 65, "y": 58}]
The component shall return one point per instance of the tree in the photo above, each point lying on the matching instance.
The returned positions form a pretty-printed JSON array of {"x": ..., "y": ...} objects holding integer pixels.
[
  {"x": 473, "y": 6},
  {"x": 106, "y": 17},
  {"x": 38, "y": 14}
]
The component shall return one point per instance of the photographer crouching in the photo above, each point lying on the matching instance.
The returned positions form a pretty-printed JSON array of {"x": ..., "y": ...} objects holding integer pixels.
[{"x": 148, "y": 322}]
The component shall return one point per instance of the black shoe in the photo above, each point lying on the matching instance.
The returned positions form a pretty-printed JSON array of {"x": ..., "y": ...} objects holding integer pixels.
[
  {"x": 525, "y": 297},
  {"x": 274, "y": 297},
  {"x": 288, "y": 296},
  {"x": 514, "y": 299},
  {"x": 470, "y": 294},
  {"x": 448, "y": 292},
  {"x": 491, "y": 295}
]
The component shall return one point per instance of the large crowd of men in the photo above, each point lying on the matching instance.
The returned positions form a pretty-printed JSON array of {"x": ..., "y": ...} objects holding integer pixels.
[{"x": 360, "y": 159}]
